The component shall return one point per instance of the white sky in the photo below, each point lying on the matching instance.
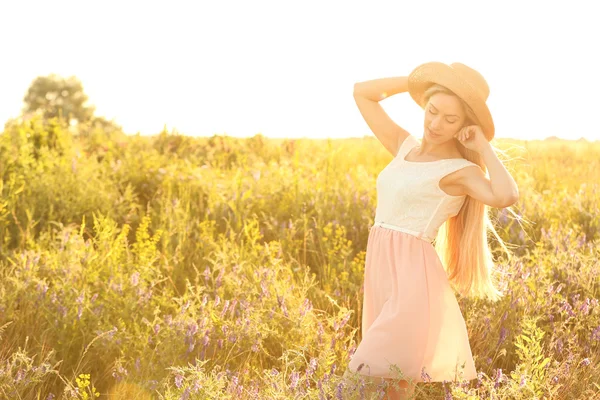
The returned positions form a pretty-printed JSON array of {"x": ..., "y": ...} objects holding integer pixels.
[{"x": 287, "y": 69}]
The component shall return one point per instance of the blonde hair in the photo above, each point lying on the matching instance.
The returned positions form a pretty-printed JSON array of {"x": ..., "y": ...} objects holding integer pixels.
[{"x": 462, "y": 241}]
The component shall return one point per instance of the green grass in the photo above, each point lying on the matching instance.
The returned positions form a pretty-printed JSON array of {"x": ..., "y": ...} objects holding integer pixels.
[{"x": 172, "y": 267}]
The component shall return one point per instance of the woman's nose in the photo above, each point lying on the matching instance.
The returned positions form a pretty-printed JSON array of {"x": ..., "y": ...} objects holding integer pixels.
[{"x": 435, "y": 124}]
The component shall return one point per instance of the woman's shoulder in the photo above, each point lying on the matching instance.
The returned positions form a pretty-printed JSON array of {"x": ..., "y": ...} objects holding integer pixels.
[{"x": 405, "y": 144}]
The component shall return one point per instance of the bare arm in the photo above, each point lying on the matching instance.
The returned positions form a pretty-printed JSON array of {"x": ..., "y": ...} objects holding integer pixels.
[
  {"x": 367, "y": 95},
  {"x": 499, "y": 191}
]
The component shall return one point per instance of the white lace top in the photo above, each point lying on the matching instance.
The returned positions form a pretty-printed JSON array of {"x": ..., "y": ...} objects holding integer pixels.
[{"x": 409, "y": 196}]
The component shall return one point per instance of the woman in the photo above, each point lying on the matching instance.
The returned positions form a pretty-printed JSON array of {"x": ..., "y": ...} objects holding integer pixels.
[{"x": 412, "y": 327}]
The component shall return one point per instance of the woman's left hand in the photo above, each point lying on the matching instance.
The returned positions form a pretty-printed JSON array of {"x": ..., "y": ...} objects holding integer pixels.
[{"x": 472, "y": 138}]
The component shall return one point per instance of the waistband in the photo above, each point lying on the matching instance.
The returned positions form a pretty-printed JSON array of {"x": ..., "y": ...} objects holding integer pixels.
[{"x": 419, "y": 235}]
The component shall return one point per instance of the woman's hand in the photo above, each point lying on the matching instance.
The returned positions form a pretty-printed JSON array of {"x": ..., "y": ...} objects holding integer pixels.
[{"x": 472, "y": 138}]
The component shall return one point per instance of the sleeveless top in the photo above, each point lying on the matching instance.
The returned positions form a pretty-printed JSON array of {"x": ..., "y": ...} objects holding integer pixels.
[{"x": 409, "y": 196}]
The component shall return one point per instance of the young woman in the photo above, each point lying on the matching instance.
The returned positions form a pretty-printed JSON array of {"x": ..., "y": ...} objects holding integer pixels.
[{"x": 434, "y": 189}]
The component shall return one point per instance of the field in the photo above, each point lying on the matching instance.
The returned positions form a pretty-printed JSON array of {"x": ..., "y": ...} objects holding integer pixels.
[{"x": 172, "y": 267}]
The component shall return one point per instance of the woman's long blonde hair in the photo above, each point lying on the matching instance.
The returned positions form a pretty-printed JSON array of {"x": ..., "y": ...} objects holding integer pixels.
[{"x": 462, "y": 241}]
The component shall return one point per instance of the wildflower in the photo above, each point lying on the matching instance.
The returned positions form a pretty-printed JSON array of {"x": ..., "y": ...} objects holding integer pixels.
[
  {"x": 232, "y": 307},
  {"x": 585, "y": 362},
  {"x": 498, "y": 379},
  {"x": 185, "y": 395},
  {"x": 196, "y": 386},
  {"x": 321, "y": 392},
  {"x": 294, "y": 378},
  {"x": 135, "y": 278},
  {"x": 523, "y": 381},
  {"x": 192, "y": 329},
  {"x": 225, "y": 307},
  {"x": 219, "y": 279},
  {"x": 585, "y": 306},
  {"x": 447, "y": 392},
  {"x": 343, "y": 322},
  {"x": 207, "y": 274},
  {"x": 306, "y": 306},
  {"x": 312, "y": 367},
  {"x": 559, "y": 345},
  {"x": 20, "y": 375},
  {"x": 178, "y": 381},
  {"x": 339, "y": 391},
  {"x": 596, "y": 333},
  {"x": 424, "y": 375},
  {"x": 352, "y": 350},
  {"x": 503, "y": 335}
]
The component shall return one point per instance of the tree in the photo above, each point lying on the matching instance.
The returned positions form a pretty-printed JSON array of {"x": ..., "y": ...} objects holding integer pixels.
[{"x": 56, "y": 96}]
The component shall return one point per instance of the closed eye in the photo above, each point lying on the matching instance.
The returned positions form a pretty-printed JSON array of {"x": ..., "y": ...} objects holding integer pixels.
[{"x": 452, "y": 122}]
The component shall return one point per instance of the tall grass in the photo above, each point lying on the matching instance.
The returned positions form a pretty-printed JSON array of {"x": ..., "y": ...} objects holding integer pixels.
[{"x": 173, "y": 267}]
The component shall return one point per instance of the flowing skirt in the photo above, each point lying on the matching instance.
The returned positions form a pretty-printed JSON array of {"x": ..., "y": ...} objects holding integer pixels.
[{"x": 411, "y": 318}]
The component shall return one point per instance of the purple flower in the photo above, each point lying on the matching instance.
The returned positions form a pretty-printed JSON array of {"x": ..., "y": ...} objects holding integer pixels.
[
  {"x": 192, "y": 329},
  {"x": 312, "y": 367},
  {"x": 178, "y": 381},
  {"x": 294, "y": 379},
  {"x": 135, "y": 278},
  {"x": 343, "y": 322},
  {"x": 447, "y": 392},
  {"x": 232, "y": 307},
  {"x": 219, "y": 279},
  {"x": 585, "y": 306},
  {"x": 306, "y": 307},
  {"x": 559, "y": 345},
  {"x": 233, "y": 384},
  {"x": 20, "y": 375},
  {"x": 596, "y": 333},
  {"x": 585, "y": 362},
  {"x": 225, "y": 307},
  {"x": 424, "y": 375},
  {"x": 498, "y": 379},
  {"x": 339, "y": 391},
  {"x": 503, "y": 334},
  {"x": 185, "y": 395}
]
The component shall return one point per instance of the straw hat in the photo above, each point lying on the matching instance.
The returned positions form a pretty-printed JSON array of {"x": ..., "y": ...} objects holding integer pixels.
[{"x": 464, "y": 81}]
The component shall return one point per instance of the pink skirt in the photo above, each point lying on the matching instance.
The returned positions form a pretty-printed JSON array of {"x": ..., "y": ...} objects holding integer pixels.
[{"x": 411, "y": 318}]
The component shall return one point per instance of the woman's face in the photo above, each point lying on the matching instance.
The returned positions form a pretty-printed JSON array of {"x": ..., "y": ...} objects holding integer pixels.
[{"x": 444, "y": 117}]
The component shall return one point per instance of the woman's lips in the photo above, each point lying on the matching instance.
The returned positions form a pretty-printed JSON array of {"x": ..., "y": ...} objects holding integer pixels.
[{"x": 433, "y": 134}]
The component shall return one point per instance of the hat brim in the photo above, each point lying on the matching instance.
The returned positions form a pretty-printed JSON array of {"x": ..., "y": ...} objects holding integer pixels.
[{"x": 425, "y": 75}]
